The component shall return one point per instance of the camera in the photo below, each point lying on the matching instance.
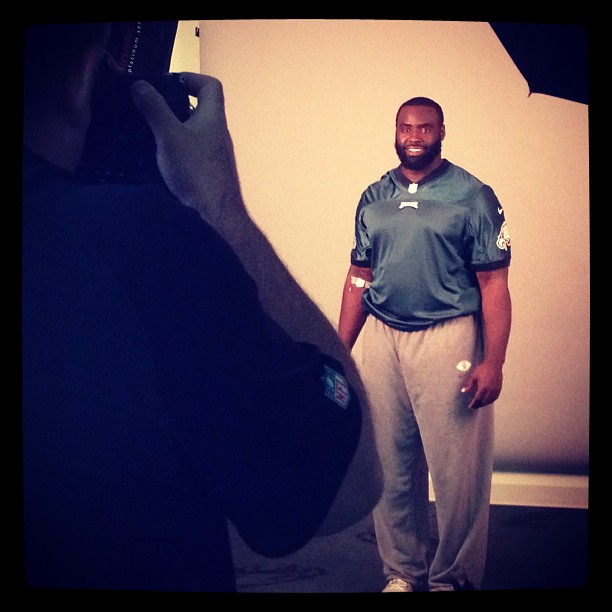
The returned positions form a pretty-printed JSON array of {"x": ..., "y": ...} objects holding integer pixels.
[{"x": 120, "y": 147}]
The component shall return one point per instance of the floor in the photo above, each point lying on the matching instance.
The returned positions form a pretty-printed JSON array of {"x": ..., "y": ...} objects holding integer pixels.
[{"x": 530, "y": 549}]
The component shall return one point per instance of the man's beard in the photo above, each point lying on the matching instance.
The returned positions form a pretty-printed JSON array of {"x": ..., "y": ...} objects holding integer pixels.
[{"x": 418, "y": 162}]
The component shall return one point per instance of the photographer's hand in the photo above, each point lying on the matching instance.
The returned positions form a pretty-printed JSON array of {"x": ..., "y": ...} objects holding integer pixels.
[{"x": 195, "y": 158}]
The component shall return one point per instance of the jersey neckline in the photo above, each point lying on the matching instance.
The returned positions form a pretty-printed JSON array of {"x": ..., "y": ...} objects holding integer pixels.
[{"x": 434, "y": 174}]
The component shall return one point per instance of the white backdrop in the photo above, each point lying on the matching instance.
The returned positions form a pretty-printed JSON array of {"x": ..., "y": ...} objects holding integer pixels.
[{"x": 311, "y": 107}]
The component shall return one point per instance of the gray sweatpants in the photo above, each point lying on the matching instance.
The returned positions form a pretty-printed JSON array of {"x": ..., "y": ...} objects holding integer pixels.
[{"x": 422, "y": 424}]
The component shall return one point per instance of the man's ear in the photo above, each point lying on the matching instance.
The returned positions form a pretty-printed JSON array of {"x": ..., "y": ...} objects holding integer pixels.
[
  {"x": 442, "y": 132},
  {"x": 81, "y": 82}
]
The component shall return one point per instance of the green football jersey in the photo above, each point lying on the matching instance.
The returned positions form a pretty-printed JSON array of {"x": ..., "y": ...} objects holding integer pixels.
[{"x": 424, "y": 243}]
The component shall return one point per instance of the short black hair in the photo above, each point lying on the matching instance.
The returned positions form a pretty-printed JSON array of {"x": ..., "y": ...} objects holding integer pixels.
[
  {"x": 49, "y": 48},
  {"x": 422, "y": 101}
]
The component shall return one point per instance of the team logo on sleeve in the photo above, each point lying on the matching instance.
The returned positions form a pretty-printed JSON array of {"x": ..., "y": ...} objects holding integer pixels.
[
  {"x": 336, "y": 387},
  {"x": 503, "y": 239}
]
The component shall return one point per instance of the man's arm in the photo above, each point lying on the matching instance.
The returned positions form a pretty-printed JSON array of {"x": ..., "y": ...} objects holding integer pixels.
[
  {"x": 196, "y": 161},
  {"x": 485, "y": 381},
  {"x": 352, "y": 314}
]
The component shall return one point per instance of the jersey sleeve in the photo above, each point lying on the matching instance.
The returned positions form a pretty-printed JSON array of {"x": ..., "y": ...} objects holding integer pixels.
[
  {"x": 362, "y": 250},
  {"x": 294, "y": 437},
  {"x": 488, "y": 231}
]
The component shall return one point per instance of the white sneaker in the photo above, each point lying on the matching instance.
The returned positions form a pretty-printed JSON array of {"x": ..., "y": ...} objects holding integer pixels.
[{"x": 397, "y": 585}]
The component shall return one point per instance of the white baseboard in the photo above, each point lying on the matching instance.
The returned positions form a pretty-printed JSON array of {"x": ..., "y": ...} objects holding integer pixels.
[{"x": 545, "y": 490}]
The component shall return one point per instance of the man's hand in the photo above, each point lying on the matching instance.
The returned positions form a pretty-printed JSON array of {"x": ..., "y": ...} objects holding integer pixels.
[
  {"x": 195, "y": 158},
  {"x": 484, "y": 383}
]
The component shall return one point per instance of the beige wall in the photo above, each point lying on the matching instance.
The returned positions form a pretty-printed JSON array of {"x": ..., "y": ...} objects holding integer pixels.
[
  {"x": 186, "y": 50},
  {"x": 311, "y": 108}
]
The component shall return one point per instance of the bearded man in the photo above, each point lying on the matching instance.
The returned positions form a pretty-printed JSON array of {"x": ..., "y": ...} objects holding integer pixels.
[{"x": 428, "y": 284}]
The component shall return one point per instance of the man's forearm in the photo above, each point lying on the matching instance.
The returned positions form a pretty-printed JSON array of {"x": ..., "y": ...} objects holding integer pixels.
[
  {"x": 497, "y": 314},
  {"x": 280, "y": 294},
  {"x": 352, "y": 314}
]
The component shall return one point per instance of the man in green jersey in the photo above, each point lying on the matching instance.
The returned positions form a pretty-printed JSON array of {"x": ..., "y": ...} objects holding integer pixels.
[{"x": 428, "y": 284}]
